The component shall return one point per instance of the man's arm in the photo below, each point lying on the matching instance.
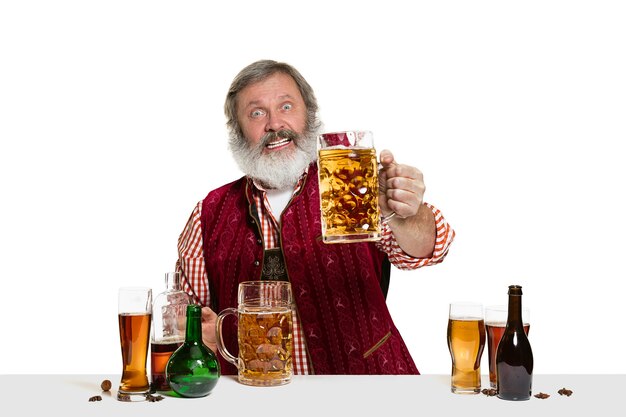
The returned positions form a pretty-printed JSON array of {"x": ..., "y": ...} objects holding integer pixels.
[
  {"x": 419, "y": 231},
  {"x": 193, "y": 272},
  {"x": 416, "y": 234},
  {"x": 401, "y": 260}
]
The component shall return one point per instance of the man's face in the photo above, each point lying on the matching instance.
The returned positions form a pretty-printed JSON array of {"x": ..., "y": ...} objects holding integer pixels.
[
  {"x": 271, "y": 105},
  {"x": 276, "y": 146}
]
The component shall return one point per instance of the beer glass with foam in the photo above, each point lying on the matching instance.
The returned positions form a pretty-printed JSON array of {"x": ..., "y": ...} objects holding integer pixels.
[
  {"x": 134, "y": 316},
  {"x": 466, "y": 342},
  {"x": 495, "y": 322},
  {"x": 264, "y": 333},
  {"x": 348, "y": 187}
]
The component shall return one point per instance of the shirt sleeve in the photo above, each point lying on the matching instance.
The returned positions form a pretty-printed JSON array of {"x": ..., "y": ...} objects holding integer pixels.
[
  {"x": 191, "y": 259},
  {"x": 402, "y": 260}
]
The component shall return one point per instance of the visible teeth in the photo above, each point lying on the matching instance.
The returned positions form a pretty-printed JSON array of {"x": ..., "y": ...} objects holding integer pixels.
[{"x": 277, "y": 144}]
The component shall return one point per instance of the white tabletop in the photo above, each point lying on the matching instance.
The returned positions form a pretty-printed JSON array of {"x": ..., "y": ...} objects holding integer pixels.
[{"x": 331, "y": 395}]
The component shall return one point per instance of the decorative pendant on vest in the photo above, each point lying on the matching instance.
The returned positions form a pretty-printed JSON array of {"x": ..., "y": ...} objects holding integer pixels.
[{"x": 274, "y": 266}]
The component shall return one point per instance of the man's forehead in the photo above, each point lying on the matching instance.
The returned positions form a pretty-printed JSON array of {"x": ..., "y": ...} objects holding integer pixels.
[
  {"x": 279, "y": 97},
  {"x": 277, "y": 86}
]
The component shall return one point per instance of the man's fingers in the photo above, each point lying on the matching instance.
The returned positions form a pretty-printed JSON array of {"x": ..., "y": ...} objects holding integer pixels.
[
  {"x": 386, "y": 158},
  {"x": 404, "y": 183},
  {"x": 208, "y": 314}
]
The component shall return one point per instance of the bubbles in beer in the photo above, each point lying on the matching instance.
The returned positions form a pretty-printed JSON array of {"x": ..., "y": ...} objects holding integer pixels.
[
  {"x": 349, "y": 191},
  {"x": 265, "y": 343}
]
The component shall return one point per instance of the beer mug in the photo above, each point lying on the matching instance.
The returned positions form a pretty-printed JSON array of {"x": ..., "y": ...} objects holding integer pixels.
[
  {"x": 348, "y": 186},
  {"x": 495, "y": 322},
  {"x": 134, "y": 317},
  {"x": 466, "y": 342},
  {"x": 264, "y": 335}
]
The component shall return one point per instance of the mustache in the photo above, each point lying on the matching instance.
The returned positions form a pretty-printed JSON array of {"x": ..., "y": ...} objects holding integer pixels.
[{"x": 281, "y": 134}]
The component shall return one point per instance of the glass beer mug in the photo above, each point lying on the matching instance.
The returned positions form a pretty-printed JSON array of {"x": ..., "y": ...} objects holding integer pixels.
[
  {"x": 264, "y": 335},
  {"x": 348, "y": 186}
]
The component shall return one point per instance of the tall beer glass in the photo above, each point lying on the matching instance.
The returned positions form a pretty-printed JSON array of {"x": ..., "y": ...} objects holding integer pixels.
[
  {"x": 495, "y": 322},
  {"x": 466, "y": 341},
  {"x": 134, "y": 316},
  {"x": 348, "y": 186}
]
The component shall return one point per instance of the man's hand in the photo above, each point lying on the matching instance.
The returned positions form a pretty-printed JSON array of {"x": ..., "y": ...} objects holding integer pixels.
[
  {"x": 208, "y": 328},
  {"x": 401, "y": 191},
  {"x": 401, "y": 187}
]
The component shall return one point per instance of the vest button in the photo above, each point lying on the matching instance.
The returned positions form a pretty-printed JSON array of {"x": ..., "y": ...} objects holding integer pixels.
[
  {"x": 257, "y": 263},
  {"x": 259, "y": 241}
]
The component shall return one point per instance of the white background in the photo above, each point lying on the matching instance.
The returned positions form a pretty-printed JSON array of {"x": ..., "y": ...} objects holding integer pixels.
[{"x": 112, "y": 129}]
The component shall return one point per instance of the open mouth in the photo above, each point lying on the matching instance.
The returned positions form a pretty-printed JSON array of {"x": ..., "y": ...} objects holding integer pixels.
[{"x": 278, "y": 144}]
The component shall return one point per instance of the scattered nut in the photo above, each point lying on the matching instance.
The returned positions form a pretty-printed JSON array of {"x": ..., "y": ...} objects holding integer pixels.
[
  {"x": 153, "y": 398},
  {"x": 106, "y": 385},
  {"x": 542, "y": 395},
  {"x": 95, "y": 398},
  {"x": 565, "y": 391},
  {"x": 490, "y": 392}
]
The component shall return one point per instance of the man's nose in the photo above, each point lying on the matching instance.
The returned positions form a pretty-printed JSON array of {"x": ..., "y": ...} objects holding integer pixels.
[{"x": 274, "y": 122}]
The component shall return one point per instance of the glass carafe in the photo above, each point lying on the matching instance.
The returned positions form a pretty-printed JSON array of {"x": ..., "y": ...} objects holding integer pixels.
[{"x": 168, "y": 328}]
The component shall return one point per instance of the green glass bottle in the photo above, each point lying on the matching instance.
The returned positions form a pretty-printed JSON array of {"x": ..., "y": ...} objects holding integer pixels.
[{"x": 193, "y": 369}]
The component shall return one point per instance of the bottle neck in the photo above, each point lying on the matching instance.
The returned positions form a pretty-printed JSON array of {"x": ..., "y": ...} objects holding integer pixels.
[
  {"x": 193, "y": 331},
  {"x": 172, "y": 281},
  {"x": 515, "y": 310}
]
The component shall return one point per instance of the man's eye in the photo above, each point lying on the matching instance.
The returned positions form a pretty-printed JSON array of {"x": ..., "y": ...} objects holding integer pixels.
[
  {"x": 257, "y": 113},
  {"x": 287, "y": 106}
]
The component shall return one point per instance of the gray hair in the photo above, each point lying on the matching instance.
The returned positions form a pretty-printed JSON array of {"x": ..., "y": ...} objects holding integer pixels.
[{"x": 259, "y": 71}]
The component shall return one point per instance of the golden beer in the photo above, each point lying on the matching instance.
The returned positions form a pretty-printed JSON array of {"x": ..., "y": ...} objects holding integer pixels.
[
  {"x": 466, "y": 341},
  {"x": 265, "y": 345},
  {"x": 134, "y": 317},
  {"x": 134, "y": 340},
  {"x": 264, "y": 335},
  {"x": 348, "y": 182}
]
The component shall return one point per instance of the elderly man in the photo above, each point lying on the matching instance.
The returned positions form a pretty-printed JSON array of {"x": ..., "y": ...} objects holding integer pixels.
[{"x": 341, "y": 321}]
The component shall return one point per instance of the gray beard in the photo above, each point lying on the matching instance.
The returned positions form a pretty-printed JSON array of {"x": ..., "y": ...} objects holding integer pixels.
[{"x": 275, "y": 170}]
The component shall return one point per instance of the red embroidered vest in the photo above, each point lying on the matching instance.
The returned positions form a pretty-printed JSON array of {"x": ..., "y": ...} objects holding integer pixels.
[{"x": 346, "y": 324}]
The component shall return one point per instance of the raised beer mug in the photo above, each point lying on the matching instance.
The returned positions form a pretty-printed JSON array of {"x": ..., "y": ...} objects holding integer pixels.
[
  {"x": 264, "y": 334},
  {"x": 348, "y": 187}
]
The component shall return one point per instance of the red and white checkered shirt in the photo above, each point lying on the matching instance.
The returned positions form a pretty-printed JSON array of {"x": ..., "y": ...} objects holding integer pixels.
[{"x": 195, "y": 282}]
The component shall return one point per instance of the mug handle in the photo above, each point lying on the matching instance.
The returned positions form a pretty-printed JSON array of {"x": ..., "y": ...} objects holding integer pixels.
[{"x": 220, "y": 340}]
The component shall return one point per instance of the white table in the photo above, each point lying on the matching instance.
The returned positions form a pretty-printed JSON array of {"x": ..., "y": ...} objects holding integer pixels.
[{"x": 348, "y": 396}]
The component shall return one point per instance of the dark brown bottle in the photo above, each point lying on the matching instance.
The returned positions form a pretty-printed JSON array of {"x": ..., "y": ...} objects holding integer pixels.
[{"x": 514, "y": 357}]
